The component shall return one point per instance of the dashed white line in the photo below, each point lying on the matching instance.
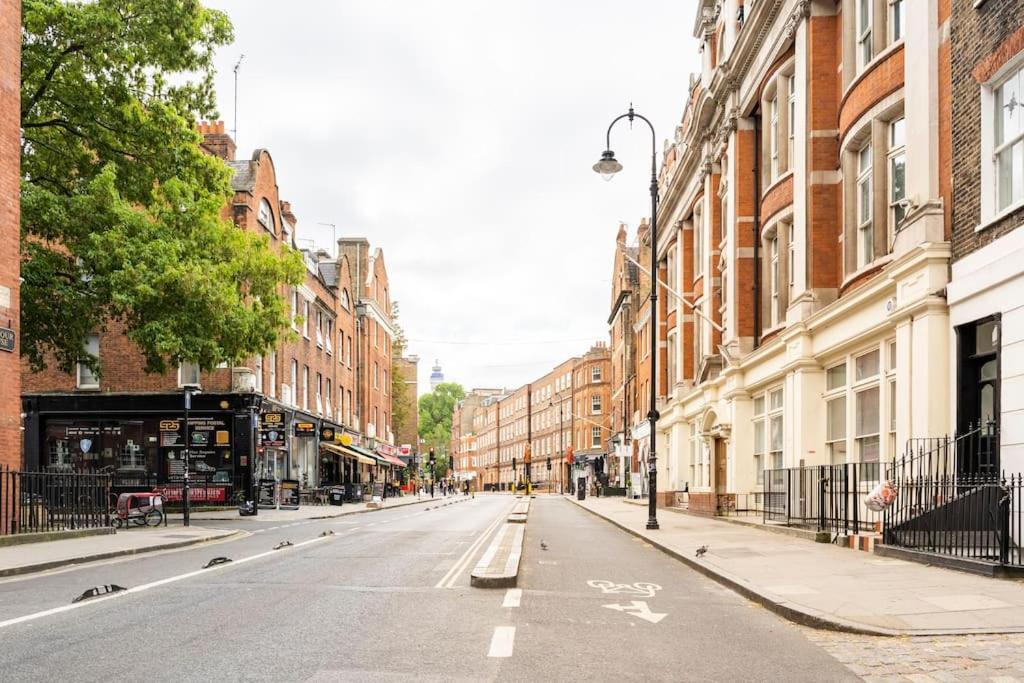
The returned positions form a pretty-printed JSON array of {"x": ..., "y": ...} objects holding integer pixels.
[
  {"x": 502, "y": 641},
  {"x": 512, "y": 597}
]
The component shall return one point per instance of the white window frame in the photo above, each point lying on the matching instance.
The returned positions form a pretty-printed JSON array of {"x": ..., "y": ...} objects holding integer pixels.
[
  {"x": 258, "y": 372},
  {"x": 865, "y": 240},
  {"x": 773, "y": 136},
  {"x": 773, "y": 279},
  {"x": 864, "y": 49},
  {"x": 897, "y": 20},
  {"x": 837, "y": 444},
  {"x": 319, "y": 329},
  {"x": 266, "y": 218},
  {"x": 897, "y": 154},
  {"x": 791, "y": 123},
  {"x": 760, "y": 444},
  {"x": 790, "y": 262},
  {"x": 295, "y": 382},
  {"x": 999, "y": 146},
  {"x": 595, "y": 374},
  {"x": 595, "y": 437},
  {"x": 319, "y": 394},
  {"x": 305, "y": 318},
  {"x": 595, "y": 404},
  {"x": 84, "y": 378},
  {"x": 272, "y": 372},
  {"x": 698, "y": 242}
]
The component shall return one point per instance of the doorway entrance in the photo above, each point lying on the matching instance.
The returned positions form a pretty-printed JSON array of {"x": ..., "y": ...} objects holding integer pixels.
[{"x": 978, "y": 390}]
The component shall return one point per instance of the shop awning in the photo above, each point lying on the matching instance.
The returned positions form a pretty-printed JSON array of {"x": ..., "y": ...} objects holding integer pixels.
[
  {"x": 392, "y": 460},
  {"x": 348, "y": 452},
  {"x": 376, "y": 459}
]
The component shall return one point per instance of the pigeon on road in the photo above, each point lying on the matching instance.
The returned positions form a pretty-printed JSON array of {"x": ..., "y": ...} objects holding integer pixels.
[
  {"x": 701, "y": 550},
  {"x": 543, "y": 545}
]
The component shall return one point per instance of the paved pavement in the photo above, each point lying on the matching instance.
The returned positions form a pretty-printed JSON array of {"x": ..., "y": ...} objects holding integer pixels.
[
  {"x": 825, "y": 584},
  {"x": 307, "y": 511},
  {"x": 387, "y": 597}
]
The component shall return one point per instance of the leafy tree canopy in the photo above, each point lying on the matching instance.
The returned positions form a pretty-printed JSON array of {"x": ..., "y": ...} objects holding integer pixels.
[
  {"x": 122, "y": 213},
  {"x": 435, "y": 412}
]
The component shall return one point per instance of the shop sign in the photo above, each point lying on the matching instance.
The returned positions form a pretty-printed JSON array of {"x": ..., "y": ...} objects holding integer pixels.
[
  {"x": 196, "y": 494},
  {"x": 206, "y": 435},
  {"x": 267, "y": 494},
  {"x": 327, "y": 434},
  {"x": 272, "y": 430},
  {"x": 348, "y": 438},
  {"x": 405, "y": 450},
  {"x": 7, "y": 339},
  {"x": 289, "y": 494},
  {"x": 385, "y": 449},
  {"x": 304, "y": 428}
]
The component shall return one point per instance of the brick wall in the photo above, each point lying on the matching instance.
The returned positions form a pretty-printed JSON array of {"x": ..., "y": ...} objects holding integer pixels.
[
  {"x": 982, "y": 40},
  {"x": 10, "y": 218}
]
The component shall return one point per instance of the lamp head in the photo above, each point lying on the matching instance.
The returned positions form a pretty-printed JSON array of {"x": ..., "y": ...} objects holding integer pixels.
[{"x": 608, "y": 166}]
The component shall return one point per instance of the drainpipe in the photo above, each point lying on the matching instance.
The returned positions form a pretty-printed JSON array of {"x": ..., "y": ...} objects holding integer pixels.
[{"x": 757, "y": 231}]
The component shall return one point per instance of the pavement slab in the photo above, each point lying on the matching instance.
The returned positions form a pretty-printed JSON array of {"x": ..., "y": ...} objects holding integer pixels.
[{"x": 827, "y": 586}]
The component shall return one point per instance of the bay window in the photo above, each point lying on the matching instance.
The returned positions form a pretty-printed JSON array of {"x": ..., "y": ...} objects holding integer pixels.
[
  {"x": 865, "y": 50},
  {"x": 897, "y": 175},
  {"x": 773, "y": 279},
  {"x": 897, "y": 20},
  {"x": 865, "y": 224},
  {"x": 773, "y": 136}
]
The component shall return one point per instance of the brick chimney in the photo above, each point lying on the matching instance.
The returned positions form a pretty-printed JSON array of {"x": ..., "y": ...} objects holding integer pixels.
[
  {"x": 286, "y": 213},
  {"x": 216, "y": 141},
  {"x": 621, "y": 237}
]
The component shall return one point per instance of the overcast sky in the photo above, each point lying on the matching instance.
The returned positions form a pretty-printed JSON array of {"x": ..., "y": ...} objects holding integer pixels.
[{"x": 458, "y": 136}]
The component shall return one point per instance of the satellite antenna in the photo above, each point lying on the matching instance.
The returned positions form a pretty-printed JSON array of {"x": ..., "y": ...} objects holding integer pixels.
[{"x": 234, "y": 131}]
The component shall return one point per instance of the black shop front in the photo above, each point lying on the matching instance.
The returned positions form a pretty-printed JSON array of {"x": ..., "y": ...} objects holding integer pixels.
[{"x": 140, "y": 440}]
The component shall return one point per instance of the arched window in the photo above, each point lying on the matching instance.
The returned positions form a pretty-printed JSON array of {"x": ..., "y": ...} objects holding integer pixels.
[
  {"x": 345, "y": 299},
  {"x": 265, "y": 216}
]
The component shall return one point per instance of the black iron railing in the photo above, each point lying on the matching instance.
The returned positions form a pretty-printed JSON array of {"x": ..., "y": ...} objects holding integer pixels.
[
  {"x": 52, "y": 501},
  {"x": 823, "y": 497}
]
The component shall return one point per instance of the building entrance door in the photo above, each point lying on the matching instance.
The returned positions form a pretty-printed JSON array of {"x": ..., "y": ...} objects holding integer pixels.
[
  {"x": 721, "y": 472},
  {"x": 978, "y": 393}
]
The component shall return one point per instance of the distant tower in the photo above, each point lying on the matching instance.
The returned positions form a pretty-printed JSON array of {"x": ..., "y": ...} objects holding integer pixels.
[{"x": 436, "y": 377}]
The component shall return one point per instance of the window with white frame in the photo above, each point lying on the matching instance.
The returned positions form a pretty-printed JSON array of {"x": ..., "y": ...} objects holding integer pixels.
[
  {"x": 759, "y": 438},
  {"x": 773, "y": 280},
  {"x": 698, "y": 242},
  {"x": 1008, "y": 141},
  {"x": 897, "y": 167},
  {"x": 595, "y": 437},
  {"x": 87, "y": 379},
  {"x": 867, "y": 413},
  {"x": 305, "y": 319},
  {"x": 865, "y": 208},
  {"x": 671, "y": 266},
  {"x": 694, "y": 453},
  {"x": 775, "y": 428},
  {"x": 258, "y": 372},
  {"x": 773, "y": 136},
  {"x": 595, "y": 404},
  {"x": 329, "y": 336},
  {"x": 897, "y": 20},
  {"x": 835, "y": 413},
  {"x": 272, "y": 375},
  {"x": 890, "y": 375},
  {"x": 319, "y": 329},
  {"x": 791, "y": 119},
  {"x": 265, "y": 215},
  {"x": 790, "y": 264},
  {"x": 293, "y": 388},
  {"x": 305, "y": 387},
  {"x": 865, "y": 50},
  {"x": 595, "y": 373},
  {"x": 188, "y": 373},
  {"x": 671, "y": 365},
  {"x": 319, "y": 394},
  {"x": 348, "y": 350},
  {"x": 376, "y": 375},
  {"x": 295, "y": 310},
  {"x": 698, "y": 339}
]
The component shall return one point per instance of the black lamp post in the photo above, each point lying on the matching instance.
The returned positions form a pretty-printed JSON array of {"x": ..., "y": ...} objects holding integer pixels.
[
  {"x": 608, "y": 166},
  {"x": 190, "y": 390},
  {"x": 561, "y": 437}
]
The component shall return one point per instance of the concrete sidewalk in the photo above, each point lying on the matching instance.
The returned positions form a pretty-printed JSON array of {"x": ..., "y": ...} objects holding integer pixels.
[
  {"x": 826, "y": 586},
  {"x": 312, "y": 511},
  {"x": 36, "y": 557}
]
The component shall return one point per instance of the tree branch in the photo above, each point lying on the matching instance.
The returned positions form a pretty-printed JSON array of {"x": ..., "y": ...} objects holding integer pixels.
[{"x": 50, "y": 73}]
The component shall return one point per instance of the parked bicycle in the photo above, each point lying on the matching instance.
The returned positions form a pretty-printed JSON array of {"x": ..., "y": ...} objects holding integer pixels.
[{"x": 141, "y": 509}]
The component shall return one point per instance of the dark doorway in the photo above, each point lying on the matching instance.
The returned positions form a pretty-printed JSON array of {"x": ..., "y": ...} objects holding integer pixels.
[{"x": 977, "y": 396}]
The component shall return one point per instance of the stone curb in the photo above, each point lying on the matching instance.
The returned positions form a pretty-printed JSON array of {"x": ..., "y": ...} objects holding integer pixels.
[
  {"x": 85, "y": 559},
  {"x": 46, "y": 536},
  {"x": 479, "y": 578},
  {"x": 797, "y": 614}
]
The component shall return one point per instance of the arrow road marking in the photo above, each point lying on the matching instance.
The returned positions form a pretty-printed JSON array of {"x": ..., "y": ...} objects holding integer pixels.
[{"x": 638, "y": 608}]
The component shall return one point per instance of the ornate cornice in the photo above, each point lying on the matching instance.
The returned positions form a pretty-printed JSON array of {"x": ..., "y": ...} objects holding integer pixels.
[{"x": 801, "y": 11}]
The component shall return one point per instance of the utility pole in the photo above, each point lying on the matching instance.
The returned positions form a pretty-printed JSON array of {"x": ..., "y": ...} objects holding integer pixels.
[{"x": 234, "y": 130}]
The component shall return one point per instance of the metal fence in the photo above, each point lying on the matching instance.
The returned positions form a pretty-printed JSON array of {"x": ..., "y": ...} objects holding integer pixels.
[
  {"x": 823, "y": 497},
  {"x": 52, "y": 501}
]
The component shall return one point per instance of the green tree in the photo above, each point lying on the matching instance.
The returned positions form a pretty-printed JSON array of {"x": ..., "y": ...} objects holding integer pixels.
[
  {"x": 400, "y": 399},
  {"x": 435, "y": 412},
  {"x": 121, "y": 210}
]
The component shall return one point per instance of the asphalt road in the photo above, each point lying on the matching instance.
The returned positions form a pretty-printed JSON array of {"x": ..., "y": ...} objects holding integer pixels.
[{"x": 369, "y": 603}]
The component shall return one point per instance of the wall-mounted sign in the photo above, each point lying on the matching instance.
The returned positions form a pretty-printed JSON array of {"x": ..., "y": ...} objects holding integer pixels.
[
  {"x": 305, "y": 428},
  {"x": 271, "y": 419},
  {"x": 7, "y": 339},
  {"x": 327, "y": 434},
  {"x": 272, "y": 430}
]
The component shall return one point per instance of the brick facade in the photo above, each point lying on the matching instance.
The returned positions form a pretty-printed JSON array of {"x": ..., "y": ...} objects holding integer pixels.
[
  {"x": 10, "y": 232},
  {"x": 983, "y": 39}
]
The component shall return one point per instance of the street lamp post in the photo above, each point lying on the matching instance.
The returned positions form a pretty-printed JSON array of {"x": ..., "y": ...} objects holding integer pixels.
[
  {"x": 608, "y": 166},
  {"x": 561, "y": 436},
  {"x": 189, "y": 389}
]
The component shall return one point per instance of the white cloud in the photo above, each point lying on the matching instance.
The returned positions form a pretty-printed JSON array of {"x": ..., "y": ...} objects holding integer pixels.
[{"x": 458, "y": 136}]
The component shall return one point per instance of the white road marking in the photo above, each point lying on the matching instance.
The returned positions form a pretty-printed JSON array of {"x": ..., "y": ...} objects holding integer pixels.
[
  {"x": 147, "y": 586},
  {"x": 502, "y": 641},
  {"x": 639, "y": 609},
  {"x": 512, "y": 597},
  {"x": 640, "y": 588},
  {"x": 448, "y": 580}
]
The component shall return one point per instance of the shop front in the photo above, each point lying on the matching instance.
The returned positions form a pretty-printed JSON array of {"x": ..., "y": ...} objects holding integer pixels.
[{"x": 142, "y": 441}]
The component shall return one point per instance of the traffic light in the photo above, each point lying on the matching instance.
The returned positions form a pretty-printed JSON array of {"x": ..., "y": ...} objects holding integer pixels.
[
  {"x": 549, "y": 464},
  {"x": 513, "y": 464},
  {"x": 431, "y": 457}
]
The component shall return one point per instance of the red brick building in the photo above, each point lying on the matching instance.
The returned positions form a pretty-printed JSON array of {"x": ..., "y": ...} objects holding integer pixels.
[
  {"x": 10, "y": 231},
  {"x": 319, "y": 383}
]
